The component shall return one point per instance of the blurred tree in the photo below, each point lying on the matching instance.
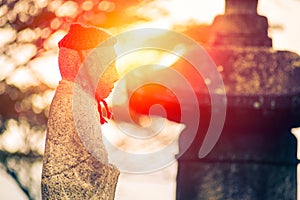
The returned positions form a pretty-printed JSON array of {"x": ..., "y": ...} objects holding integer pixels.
[{"x": 27, "y": 31}]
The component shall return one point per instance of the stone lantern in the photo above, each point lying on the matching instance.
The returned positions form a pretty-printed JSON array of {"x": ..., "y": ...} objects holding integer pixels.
[{"x": 255, "y": 156}]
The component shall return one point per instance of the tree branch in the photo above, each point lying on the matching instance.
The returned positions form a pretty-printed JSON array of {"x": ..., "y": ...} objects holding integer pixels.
[
  {"x": 31, "y": 157},
  {"x": 16, "y": 179}
]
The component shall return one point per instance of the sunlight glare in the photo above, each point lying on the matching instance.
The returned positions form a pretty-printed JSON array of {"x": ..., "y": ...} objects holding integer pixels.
[
  {"x": 136, "y": 57},
  {"x": 178, "y": 11},
  {"x": 166, "y": 136},
  {"x": 156, "y": 58},
  {"x": 173, "y": 12},
  {"x": 171, "y": 58}
]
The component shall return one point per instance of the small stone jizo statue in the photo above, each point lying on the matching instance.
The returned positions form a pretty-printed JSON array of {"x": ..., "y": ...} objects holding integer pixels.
[{"x": 70, "y": 170}]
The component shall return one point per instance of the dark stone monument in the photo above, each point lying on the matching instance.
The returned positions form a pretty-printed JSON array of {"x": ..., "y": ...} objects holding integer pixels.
[{"x": 255, "y": 156}]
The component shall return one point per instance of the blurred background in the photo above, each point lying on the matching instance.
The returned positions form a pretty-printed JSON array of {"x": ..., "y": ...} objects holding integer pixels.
[{"x": 29, "y": 32}]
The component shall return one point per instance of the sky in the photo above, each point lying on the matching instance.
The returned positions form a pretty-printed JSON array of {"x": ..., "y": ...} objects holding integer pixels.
[{"x": 284, "y": 13}]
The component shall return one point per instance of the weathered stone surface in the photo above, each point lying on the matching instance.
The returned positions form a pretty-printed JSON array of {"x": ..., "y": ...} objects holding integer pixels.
[
  {"x": 70, "y": 170},
  {"x": 87, "y": 180},
  {"x": 253, "y": 71},
  {"x": 233, "y": 180}
]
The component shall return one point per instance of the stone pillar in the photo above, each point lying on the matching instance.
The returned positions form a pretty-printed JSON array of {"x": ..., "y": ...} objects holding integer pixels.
[
  {"x": 241, "y": 25},
  {"x": 255, "y": 157},
  {"x": 236, "y": 7}
]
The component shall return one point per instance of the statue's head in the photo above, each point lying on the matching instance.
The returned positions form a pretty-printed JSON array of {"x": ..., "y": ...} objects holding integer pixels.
[{"x": 74, "y": 48}]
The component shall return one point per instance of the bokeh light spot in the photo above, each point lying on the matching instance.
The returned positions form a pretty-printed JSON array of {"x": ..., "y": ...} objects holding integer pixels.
[
  {"x": 87, "y": 5},
  {"x": 45, "y": 33},
  {"x": 22, "y": 53},
  {"x": 68, "y": 9},
  {"x": 55, "y": 23},
  {"x": 3, "y": 10},
  {"x": 23, "y": 17},
  {"x": 88, "y": 16},
  {"x": 11, "y": 16},
  {"x": 9, "y": 67},
  {"x": 7, "y": 35},
  {"x": 22, "y": 78},
  {"x": 26, "y": 35},
  {"x": 46, "y": 70},
  {"x": 106, "y": 6},
  {"x": 52, "y": 41}
]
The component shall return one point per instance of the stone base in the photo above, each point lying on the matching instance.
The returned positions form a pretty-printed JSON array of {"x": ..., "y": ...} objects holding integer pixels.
[
  {"x": 88, "y": 180},
  {"x": 235, "y": 181}
]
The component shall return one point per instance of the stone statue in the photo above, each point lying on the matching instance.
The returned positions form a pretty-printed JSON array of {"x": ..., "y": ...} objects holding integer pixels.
[{"x": 70, "y": 169}]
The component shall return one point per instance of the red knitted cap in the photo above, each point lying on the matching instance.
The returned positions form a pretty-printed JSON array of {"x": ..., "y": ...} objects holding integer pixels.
[{"x": 81, "y": 37}]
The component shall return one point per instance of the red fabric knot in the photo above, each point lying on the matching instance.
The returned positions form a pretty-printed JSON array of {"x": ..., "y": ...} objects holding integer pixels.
[{"x": 108, "y": 113}]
